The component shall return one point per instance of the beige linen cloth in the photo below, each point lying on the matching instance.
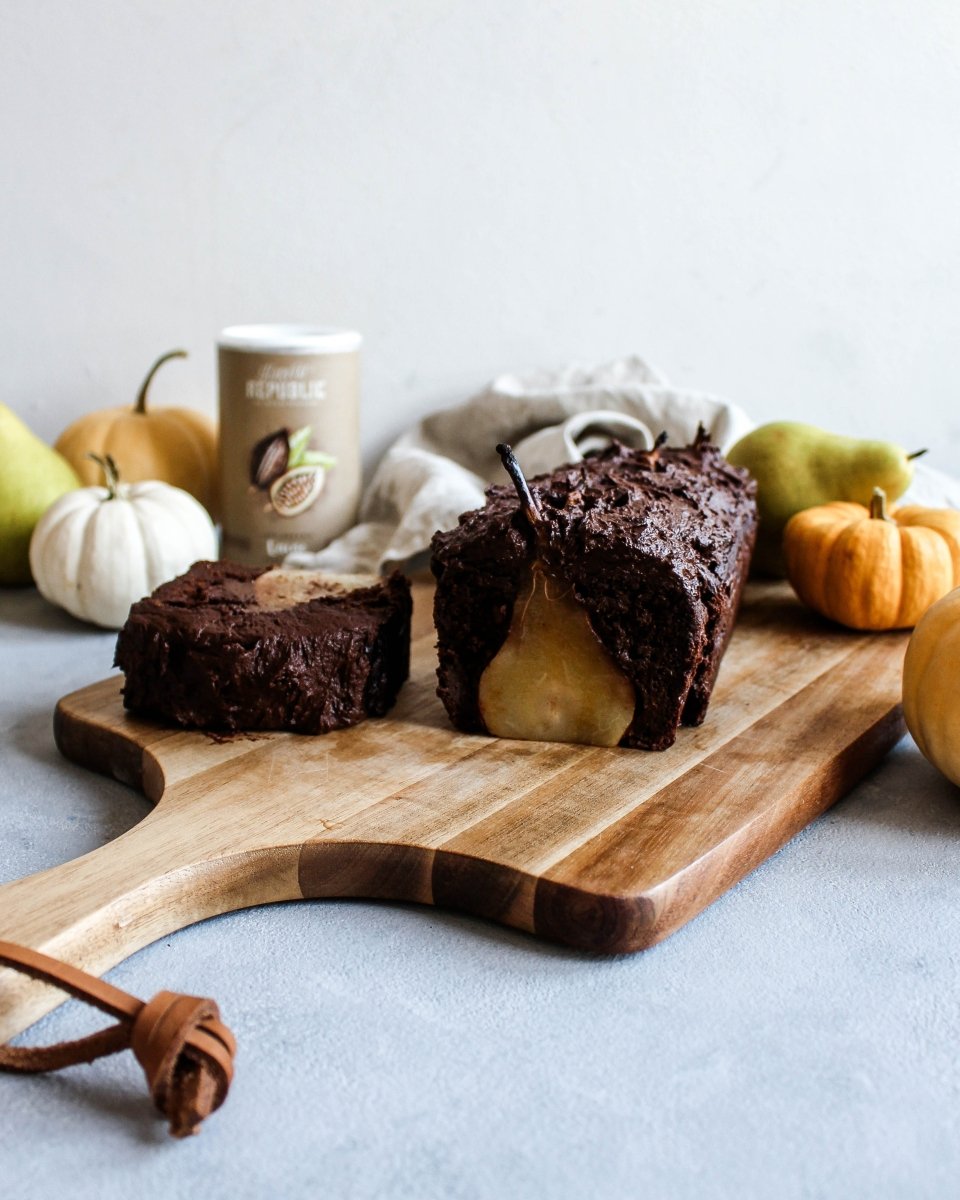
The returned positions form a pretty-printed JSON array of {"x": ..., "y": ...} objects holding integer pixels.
[{"x": 440, "y": 467}]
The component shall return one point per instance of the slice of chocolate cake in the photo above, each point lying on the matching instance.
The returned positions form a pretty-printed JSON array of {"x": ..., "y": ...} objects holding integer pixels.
[
  {"x": 652, "y": 546},
  {"x": 229, "y": 647}
]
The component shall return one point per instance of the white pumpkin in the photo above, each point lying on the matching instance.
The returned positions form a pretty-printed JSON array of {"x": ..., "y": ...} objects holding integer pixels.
[{"x": 97, "y": 550}]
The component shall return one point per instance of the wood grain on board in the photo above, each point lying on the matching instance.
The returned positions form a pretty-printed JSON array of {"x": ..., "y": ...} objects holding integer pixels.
[{"x": 607, "y": 850}]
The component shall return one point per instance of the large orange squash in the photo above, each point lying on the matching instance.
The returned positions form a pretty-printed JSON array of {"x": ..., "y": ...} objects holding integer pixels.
[
  {"x": 870, "y": 570},
  {"x": 931, "y": 702},
  {"x": 175, "y": 445}
]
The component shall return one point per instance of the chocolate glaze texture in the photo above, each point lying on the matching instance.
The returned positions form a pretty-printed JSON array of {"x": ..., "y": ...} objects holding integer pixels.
[
  {"x": 204, "y": 651},
  {"x": 656, "y": 546}
]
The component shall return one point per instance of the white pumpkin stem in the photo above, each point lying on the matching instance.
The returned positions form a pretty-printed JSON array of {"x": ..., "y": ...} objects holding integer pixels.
[
  {"x": 141, "y": 404},
  {"x": 878, "y": 505},
  {"x": 111, "y": 473}
]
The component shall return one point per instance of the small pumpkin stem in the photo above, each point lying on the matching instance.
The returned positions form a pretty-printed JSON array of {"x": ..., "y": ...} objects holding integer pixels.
[
  {"x": 111, "y": 473},
  {"x": 878, "y": 505},
  {"x": 141, "y": 404}
]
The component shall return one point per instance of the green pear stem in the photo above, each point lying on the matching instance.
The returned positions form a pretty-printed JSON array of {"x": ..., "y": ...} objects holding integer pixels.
[
  {"x": 531, "y": 508},
  {"x": 141, "y": 404},
  {"x": 916, "y": 454},
  {"x": 878, "y": 505},
  {"x": 111, "y": 473}
]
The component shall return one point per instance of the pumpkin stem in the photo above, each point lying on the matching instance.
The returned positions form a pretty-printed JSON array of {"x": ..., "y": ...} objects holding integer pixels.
[
  {"x": 111, "y": 473},
  {"x": 141, "y": 404},
  {"x": 878, "y": 505}
]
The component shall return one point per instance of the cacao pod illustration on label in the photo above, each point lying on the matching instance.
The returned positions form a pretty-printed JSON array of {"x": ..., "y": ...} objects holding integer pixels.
[
  {"x": 284, "y": 465},
  {"x": 294, "y": 492}
]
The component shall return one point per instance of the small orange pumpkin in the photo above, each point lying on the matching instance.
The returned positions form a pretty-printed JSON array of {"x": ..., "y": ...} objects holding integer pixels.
[
  {"x": 870, "y": 570},
  {"x": 175, "y": 445}
]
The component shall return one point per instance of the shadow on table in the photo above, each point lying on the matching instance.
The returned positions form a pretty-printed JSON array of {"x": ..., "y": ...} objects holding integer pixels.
[
  {"x": 125, "y": 1106},
  {"x": 32, "y": 734},
  {"x": 505, "y": 937},
  {"x": 87, "y": 809},
  {"x": 25, "y": 608},
  {"x": 905, "y": 792}
]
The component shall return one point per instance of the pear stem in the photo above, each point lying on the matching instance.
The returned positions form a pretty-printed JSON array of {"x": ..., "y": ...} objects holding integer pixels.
[
  {"x": 111, "y": 473},
  {"x": 878, "y": 505},
  {"x": 531, "y": 509},
  {"x": 916, "y": 454},
  {"x": 141, "y": 404},
  {"x": 660, "y": 441}
]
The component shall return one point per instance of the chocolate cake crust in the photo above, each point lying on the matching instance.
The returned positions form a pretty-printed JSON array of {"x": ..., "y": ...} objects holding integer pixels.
[
  {"x": 229, "y": 647},
  {"x": 656, "y": 546}
]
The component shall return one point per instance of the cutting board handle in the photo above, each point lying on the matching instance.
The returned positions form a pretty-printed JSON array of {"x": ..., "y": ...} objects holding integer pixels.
[{"x": 97, "y": 910}]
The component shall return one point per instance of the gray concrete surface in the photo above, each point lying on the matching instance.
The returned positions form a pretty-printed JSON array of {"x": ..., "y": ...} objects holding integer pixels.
[{"x": 799, "y": 1039}]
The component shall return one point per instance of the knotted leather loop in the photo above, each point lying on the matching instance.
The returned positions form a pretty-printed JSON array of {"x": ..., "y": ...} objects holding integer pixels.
[
  {"x": 184, "y": 1048},
  {"x": 187, "y": 1056}
]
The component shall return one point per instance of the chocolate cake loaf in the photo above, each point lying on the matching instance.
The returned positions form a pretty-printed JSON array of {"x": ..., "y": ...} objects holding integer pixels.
[
  {"x": 654, "y": 546},
  {"x": 229, "y": 647}
]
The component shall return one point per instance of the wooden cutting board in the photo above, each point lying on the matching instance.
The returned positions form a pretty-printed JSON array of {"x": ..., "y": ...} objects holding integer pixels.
[{"x": 605, "y": 850}]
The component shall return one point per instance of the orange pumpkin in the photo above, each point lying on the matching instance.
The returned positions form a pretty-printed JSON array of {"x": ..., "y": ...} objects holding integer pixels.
[
  {"x": 931, "y": 702},
  {"x": 870, "y": 570},
  {"x": 175, "y": 445}
]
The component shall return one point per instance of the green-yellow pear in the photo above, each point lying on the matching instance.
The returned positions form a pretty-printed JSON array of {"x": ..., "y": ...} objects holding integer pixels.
[
  {"x": 32, "y": 476},
  {"x": 798, "y": 466},
  {"x": 552, "y": 679}
]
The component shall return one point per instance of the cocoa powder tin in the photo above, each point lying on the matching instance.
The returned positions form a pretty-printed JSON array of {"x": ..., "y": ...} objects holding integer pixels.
[{"x": 289, "y": 438}]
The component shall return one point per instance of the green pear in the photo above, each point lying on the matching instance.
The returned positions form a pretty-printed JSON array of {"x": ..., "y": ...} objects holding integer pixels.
[
  {"x": 552, "y": 680},
  {"x": 798, "y": 466},
  {"x": 32, "y": 476}
]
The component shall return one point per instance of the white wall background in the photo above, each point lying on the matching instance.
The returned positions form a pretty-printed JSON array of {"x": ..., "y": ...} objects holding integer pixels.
[{"x": 761, "y": 197}]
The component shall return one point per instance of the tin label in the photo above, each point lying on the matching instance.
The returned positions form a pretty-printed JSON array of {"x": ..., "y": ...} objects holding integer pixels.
[{"x": 289, "y": 451}]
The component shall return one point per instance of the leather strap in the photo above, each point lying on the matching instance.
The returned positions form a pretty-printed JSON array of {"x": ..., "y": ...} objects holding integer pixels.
[{"x": 184, "y": 1048}]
